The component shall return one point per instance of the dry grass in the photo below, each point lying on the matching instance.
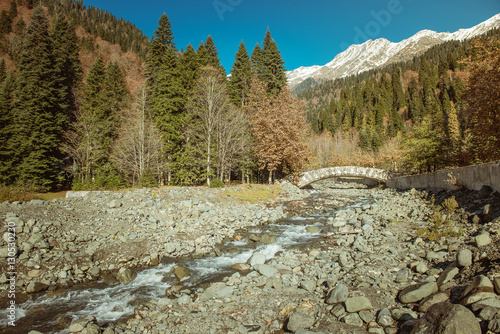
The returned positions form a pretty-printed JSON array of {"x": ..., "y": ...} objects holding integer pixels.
[
  {"x": 253, "y": 193},
  {"x": 20, "y": 193}
]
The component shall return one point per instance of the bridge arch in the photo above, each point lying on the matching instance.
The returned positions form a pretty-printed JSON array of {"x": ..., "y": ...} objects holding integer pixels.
[{"x": 309, "y": 177}]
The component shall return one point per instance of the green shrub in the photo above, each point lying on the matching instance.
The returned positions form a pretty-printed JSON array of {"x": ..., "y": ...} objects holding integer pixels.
[
  {"x": 217, "y": 183},
  {"x": 440, "y": 222}
]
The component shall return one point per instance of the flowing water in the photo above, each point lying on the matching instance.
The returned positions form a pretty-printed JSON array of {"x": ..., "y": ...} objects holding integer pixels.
[{"x": 112, "y": 303}]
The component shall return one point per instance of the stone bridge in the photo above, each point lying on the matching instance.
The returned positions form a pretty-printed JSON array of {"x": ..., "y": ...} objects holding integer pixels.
[{"x": 309, "y": 177}]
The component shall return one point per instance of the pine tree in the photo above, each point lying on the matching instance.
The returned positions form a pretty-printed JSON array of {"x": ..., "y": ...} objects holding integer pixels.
[
  {"x": 67, "y": 64},
  {"x": 6, "y": 129},
  {"x": 37, "y": 158},
  {"x": 160, "y": 42},
  {"x": 241, "y": 76},
  {"x": 273, "y": 72},
  {"x": 188, "y": 68},
  {"x": 256, "y": 61}
]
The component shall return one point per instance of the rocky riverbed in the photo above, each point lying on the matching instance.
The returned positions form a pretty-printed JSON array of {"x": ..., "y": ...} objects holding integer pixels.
[{"x": 372, "y": 269}]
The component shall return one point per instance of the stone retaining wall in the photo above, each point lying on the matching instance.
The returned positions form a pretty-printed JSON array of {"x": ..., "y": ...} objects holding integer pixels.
[{"x": 470, "y": 177}]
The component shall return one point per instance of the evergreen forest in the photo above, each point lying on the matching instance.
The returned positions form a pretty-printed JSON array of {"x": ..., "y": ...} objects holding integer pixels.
[{"x": 89, "y": 102}]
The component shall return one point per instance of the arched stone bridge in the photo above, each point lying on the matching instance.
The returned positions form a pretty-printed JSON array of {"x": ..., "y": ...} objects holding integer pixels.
[{"x": 309, "y": 177}]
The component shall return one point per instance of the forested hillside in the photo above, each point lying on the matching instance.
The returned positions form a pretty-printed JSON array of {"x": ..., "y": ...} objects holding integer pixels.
[
  {"x": 417, "y": 116},
  {"x": 78, "y": 111}
]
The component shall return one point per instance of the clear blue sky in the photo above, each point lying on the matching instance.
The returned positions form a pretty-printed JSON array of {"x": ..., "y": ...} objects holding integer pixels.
[{"x": 308, "y": 32}]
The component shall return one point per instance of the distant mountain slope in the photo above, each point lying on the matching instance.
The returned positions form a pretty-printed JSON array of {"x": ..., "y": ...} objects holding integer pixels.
[{"x": 381, "y": 52}]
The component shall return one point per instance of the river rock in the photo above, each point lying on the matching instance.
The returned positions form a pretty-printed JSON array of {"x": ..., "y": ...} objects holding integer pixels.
[
  {"x": 267, "y": 239},
  {"x": 265, "y": 269},
  {"x": 446, "y": 318},
  {"x": 298, "y": 321},
  {"x": 181, "y": 272},
  {"x": 35, "y": 287},
  {"x": 448, "y": 274},
  {"x": 338, "y": 294},
  {"x": 257, "y": 258},
  {"x": 483, "y": 239},
  {"x": 417, "y": 292},
  {"x": 240, "y": 266},
  {"x": 115, "y": 204},
  {"x": 80, "y": 324},
  {"x": 439, "y": 297},
  {"x": 384, "y": 318},
  {"x": 353, "y": 319},
  {"x": 125, "y": 275},
  {"x": 464, "y": 258},
  {"x": 312, "y": 229},
  {"x": 356, "y": 304},
  {"x": 35, "y": 238}
]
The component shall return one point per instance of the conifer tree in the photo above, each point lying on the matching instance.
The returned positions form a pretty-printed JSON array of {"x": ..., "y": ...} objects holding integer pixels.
[
  {"x": 37, "y": 158},
  {"x": 160, "y": 42},
  {"x": 273, "y": 71},
  {"x": 241, "y": 76},
  {"x": 256, "y": 61},
  {"x": 6, "y": 128},
  {"x": 67, "y": 64},
  {"x": 188, "y": 68}
]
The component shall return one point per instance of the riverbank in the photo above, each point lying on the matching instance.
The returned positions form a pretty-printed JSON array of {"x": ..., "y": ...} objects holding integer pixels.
[{"x": 351, "y": 281}]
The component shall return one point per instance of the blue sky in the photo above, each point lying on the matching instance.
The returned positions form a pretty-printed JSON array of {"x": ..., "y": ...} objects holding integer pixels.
[{"x": 307, "y": 32}]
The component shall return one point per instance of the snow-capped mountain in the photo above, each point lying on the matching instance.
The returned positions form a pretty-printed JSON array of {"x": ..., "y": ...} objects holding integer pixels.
[{"x": 371, "y": 54}]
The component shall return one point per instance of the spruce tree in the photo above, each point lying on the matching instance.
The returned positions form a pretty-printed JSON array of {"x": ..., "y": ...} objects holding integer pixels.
[
  {"x": 160, "y": 42},
  {"x": 6, "y": 128},
  {"x": 37, "y": 158},
  {"x": 273, "y": 71},
  {"x": 188, "y": 68},
  {"x": 241, "y": 77},
  {"x": 67, "y": 64},
  {"x": 256, "y": 61}
]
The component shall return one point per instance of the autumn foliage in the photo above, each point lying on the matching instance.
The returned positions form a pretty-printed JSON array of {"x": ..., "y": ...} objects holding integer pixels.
[{"x": 279, "y": 129}]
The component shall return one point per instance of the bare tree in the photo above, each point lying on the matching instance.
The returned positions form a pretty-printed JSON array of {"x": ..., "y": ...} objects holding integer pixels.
[
  {"x": 137, "y": 151},
  {"x": 207, "y": 104}
]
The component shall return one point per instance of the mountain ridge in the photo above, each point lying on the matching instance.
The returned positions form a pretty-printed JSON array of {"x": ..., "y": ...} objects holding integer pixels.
[{"x": 371, "y": 54}]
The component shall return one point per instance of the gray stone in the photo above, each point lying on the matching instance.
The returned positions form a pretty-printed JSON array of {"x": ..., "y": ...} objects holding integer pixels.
[
  {"x": 366, "y": 316},
  {"x": 266, "y": 270},
  {"x": 356, "y": 304},
  {"x": 494, "y": 324},
  {"x": 446, "y": 318},
  {"x": 309, "y": 285},
  {"x": 343, "y": 261},
  {"x": 240, "y": 266},
  {"x": 115, "y": 204},
  {"x": 298, "y": 321},
  {"x": 353, "y": 319},
  {"x": 427, "y": 302},
  {"x": 267, "y": 239},
  {"x": 312, "y": 229},
  {"x": 338, "y": 294},
  {"x": 421, "y": 268},
  {"x": 483, "y": 239},
  {"x": 403, "y": 275},
  {"x": 125, "y": 275},
  {"x": 35, "y": 238},
  {"x": 384, "y": 318},
  {"x": 493, "y": 302},
  {"x": 417, "y": 292},
  {"x": 464, "y": 258},
  {"x": 181, "y": 272},
  {"x": 35, "y": 287},
  {"x": 488, "y": 313},
  {"x": 447, "y": 275},
  {"x": 170, "y": 247},
  {"x": 496, "y": 284},
  {"x": 78, "y": 325},
  {"x": 257, "y": 258}
]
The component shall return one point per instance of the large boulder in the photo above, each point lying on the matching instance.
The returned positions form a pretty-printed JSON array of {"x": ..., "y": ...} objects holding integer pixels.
[{"x": 446, "y": 318}]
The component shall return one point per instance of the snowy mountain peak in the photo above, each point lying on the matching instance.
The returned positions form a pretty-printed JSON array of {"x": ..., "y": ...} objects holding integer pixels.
[{"x": 380, "y": 52}]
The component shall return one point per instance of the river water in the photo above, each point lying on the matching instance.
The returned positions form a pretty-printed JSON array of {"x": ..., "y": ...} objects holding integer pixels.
[{"x": 117, "y": 302}]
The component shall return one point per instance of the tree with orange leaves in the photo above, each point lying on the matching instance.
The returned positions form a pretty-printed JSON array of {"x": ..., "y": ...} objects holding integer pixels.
[
  {"x": 483, "y": 100},
  {"x": 279, "y": 129}
]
